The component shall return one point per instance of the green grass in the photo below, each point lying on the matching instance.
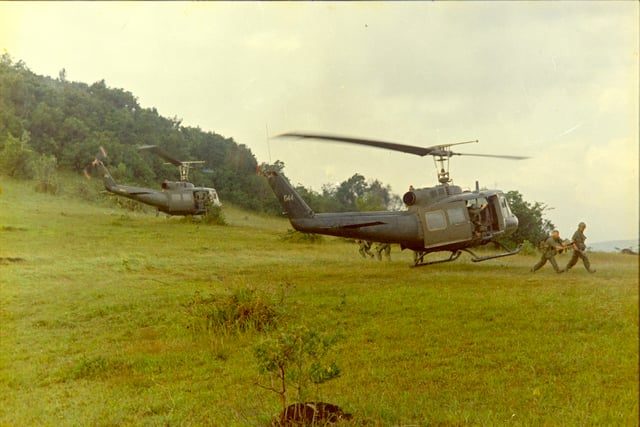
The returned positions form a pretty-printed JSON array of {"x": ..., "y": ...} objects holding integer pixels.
[{"x": 95, "y": 327}]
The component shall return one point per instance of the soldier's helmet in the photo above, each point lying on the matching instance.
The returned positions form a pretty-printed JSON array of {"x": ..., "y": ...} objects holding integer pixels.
[{"x": 582, "y": 224}]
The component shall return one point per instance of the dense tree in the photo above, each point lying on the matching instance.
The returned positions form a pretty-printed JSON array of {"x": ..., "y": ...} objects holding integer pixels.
[
  {"x": 532, "y": 225},
  {"x": 16, "y": 156}
]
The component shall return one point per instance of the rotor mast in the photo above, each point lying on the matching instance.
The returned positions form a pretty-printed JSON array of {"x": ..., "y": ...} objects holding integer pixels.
[
  {"x": 441, "y": 155},
  {"x": 184, "y": 167},
  {"x": 443, "y": 174}
]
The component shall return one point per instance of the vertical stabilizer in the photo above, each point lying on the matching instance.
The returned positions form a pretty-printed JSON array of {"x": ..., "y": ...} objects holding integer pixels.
[
  {"x": 109, "y": 183},
  {"x": 290, "y": 200}
]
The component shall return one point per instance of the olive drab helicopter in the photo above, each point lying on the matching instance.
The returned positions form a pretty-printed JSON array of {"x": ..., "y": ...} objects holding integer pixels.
[
  {"x": 175, "y": 198},
  {"x": 443, "y": 218}
]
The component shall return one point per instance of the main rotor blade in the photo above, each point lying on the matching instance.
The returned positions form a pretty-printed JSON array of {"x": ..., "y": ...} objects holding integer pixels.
[
  {"x": 161, "y": 153},
  {"x": 440, "y": 150},
  {"x": 411, "y": 149},
  {"x": 495, "y": 156}
]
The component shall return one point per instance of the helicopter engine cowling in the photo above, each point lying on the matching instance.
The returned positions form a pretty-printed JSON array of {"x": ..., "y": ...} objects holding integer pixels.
[
  {"x": 409, "y": 198},
  {"x": 413, "y": 197},
  {"x": 426, "y": 196},
  {"x": 176, "y": 185}
]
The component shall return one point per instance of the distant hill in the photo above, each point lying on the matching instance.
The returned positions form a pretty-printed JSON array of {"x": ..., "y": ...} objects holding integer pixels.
[{"x": 610, "y": 246}]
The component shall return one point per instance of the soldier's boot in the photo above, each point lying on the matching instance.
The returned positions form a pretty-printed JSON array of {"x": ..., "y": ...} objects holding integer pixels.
[
  {"x": 555, "y": 266},
  {"x": 587, "y": 265},
  {"x": 538, "y": 265}
]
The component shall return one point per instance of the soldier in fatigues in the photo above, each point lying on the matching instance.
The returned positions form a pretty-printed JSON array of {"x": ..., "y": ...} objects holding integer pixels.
[
  {"x": 383, "y": 247},
  {"x": 578, "y": 249},
  {"x": 550, "y": 248},
  {"x": 364, "y": 247}
]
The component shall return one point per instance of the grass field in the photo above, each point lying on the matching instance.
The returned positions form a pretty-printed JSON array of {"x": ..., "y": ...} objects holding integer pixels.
[{"x": 95, "y": 330}]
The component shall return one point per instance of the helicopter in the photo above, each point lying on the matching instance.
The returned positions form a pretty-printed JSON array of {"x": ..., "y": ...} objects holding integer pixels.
[
  {"x": 175, "y": 198},
  {"x": 443, "y": 218}
]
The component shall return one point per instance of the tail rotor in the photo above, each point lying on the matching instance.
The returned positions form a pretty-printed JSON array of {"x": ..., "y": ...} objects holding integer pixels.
[{"x": 100, "y": 156}]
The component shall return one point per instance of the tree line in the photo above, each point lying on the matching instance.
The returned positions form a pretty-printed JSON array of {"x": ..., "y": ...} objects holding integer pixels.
[{"x": 49, "y": 124}]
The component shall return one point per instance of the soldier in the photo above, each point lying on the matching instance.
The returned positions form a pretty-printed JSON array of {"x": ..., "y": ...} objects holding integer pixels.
[
  {"x": 364, "y": 247},
  {"x": 579, "y": 247},
  {"x": 550, "y": 248},
  {"x": 383, "y": 247}
]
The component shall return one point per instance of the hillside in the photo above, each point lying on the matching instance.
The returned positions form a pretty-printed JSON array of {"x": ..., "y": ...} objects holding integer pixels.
[
  {"x": 52, "y": 125},
  {"x": 66, "y": 122},
  {"x": 108, "y": 318}
]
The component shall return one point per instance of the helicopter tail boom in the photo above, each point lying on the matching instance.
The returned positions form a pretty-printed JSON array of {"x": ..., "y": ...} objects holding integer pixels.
[
  {"x": 290, "y": 200},
  {"x": 389, "y": 227}
]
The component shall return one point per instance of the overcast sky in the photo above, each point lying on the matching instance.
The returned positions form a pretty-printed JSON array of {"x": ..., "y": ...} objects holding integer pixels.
[{"x": 557, "y": 81}]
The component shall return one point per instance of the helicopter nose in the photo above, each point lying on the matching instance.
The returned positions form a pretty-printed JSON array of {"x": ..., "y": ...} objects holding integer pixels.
[{"x": 511, "y": 224}]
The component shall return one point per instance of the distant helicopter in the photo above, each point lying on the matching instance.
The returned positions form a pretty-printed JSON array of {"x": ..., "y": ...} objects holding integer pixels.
[
  {"x": 175, "y": 198},
  {"x": 626, "y": 251},
  {"x": 440, "y": 218}
]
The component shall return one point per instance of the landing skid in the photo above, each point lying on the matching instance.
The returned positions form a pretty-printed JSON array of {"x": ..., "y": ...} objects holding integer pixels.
[
  {"x": 476, "y": 258},
  {"x": 419, "y": 260}
]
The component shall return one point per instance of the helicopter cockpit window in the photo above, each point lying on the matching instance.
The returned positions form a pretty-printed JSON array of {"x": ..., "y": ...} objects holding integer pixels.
[
  {"x": 456, "y": 215},
  {"x": 505, "y": 205},
  {"x": 436, "y": 220},
  {"x": 479, "y": 202}
]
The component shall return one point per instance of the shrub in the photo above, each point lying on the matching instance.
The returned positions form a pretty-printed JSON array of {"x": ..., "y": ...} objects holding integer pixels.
[
  {"x": 528, "y": 248},
  {"x": 214, "y": 215},
  {"x": 295, "y": 357},
  {"x": 44, "y": 168}
]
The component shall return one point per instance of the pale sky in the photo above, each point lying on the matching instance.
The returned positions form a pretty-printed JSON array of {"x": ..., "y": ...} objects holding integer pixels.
[{"x": 557, "y": 81}]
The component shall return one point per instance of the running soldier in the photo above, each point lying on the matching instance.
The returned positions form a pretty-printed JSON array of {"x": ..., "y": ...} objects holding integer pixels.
[
  {"x": 383, "y": 247},
  {"x": 552, "y": 246},
  {"x": 579, "y": 247},
  {"x": 364, "y": 248}
]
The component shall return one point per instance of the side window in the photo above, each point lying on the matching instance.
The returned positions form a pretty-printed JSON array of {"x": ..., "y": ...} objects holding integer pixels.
[
  {"x": 436, "y": 220},
  {"x": 456, "y": 215}
]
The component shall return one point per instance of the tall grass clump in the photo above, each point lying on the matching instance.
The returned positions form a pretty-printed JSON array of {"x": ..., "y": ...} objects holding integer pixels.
[
  {"x": 240, "y": 310},
  {"x": 294, "y": 236}
]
